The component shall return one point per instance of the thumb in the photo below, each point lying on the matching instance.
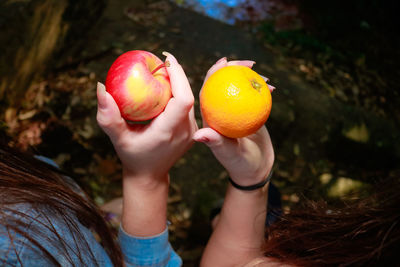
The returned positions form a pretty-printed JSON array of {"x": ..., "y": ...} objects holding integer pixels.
[
  {"x": 108, "y": 114},
  {"x": 217, "y": 142}
]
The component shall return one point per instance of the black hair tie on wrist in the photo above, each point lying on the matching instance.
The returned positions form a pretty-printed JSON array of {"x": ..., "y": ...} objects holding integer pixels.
[{"x": 251, "y": 187}]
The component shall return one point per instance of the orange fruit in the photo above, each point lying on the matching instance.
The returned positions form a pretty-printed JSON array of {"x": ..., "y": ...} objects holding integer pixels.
[{"x": 235, "y": 101}]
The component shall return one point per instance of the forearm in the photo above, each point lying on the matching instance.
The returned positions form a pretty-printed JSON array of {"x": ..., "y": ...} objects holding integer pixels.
[
  {"x": 239, "y": 233},
  {"x": 144, "y": 204}
]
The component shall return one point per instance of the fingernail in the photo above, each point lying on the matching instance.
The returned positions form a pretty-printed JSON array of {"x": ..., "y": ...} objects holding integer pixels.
[
  {"x": 271, "y": 87},
  {"x": 265, "y": 78},
  {"x": 101, "y": 87},
  {"x": 165, "y": 53},
  {"x": 101, "y": 95},
  {"x": 221, "y": 60},
  {"x": 246, "y": 63},
  {"x": 204, "y": 140},
  {"x": 171, "y": 57}
]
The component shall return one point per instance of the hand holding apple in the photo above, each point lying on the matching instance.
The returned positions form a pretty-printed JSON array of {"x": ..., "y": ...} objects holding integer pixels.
[
  {"x": 151, "y": 149},
  {"x": 147, "y": 151},
  {"x": 139, "y": 84}
]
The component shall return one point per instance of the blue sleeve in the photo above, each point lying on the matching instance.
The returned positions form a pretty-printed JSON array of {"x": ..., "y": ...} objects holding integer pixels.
[
  {"x": 154, "y": 251},
  {"x": 50, "y": 240}
]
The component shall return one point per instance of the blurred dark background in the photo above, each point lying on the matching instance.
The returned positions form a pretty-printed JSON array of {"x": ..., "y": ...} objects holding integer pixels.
[{"x": 334, "y": 121}]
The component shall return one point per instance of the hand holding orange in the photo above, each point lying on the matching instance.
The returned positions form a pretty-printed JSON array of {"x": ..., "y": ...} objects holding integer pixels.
[{"x": 235, "y": 101}]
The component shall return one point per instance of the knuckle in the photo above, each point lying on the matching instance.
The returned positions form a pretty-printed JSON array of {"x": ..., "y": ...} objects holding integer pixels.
[
  {"x": 187, "y": 102},
  {"x": 210, "y": 71},
  {"x": 168, "y": 137},
  {"x": 102, "y": 122}
]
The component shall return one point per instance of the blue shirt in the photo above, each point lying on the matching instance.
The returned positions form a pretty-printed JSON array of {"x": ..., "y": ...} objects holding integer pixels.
[{"x": 150, "y": 251}]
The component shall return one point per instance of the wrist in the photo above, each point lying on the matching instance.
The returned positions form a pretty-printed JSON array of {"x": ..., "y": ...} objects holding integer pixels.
[
  {"x": 144, "y": 203},
  {"x": 250, "y": 178},
  {"x": 145, "y": 181},
  {"x": 254, "y": 186}
]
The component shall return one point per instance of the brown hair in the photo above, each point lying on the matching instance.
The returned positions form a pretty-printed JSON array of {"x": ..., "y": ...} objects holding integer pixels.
[
  {"x": 361, "y": 233},
  {"x": 27, "y": 181}
]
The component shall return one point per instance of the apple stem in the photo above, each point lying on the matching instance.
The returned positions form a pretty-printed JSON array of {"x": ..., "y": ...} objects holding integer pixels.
[{"x": 158, "y": 67}]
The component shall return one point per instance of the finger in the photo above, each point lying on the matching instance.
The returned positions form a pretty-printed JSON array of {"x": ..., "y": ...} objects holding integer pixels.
[
  {"x": 182, "y": 101},
  {"x": 224, "y": 149},
  {"x": 271, "y": 88},
  {"x": 180, "y": 86},
  {"x": 250, "y": 63},
  {"x": 219, "y": 64},
  {"x": 217, "y": 142},
  {"x": 266, "y": 79},
  {"x": 223, "y": 63},
  {"x": 246, "y": 63},
  {"x": 108, "y": 114},
  {"x": 192, "y": 118}
]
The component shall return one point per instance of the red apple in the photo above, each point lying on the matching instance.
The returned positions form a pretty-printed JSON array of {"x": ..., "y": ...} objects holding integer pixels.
[{"x": 139, "y": 83}]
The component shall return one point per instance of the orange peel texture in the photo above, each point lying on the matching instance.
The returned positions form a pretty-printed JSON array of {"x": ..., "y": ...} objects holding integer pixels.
[{"x": 235, "y": 101}]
